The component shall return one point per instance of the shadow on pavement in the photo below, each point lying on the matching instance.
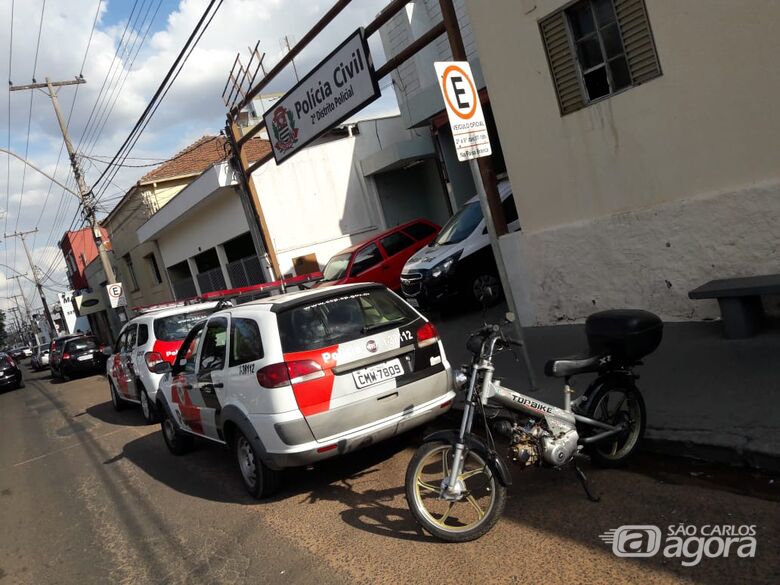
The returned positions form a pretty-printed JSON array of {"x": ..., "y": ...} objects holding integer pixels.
[{"x": 105, "y": 412}]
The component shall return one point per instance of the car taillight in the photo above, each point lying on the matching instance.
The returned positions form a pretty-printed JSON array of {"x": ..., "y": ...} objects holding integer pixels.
[
  {"x": 304, "y": 370},
  {"x": 282, "y": 374},
  {"x": 10, "y": 361},
  {"x": 273, "y": 376},
  {"x": 152, "y": 359},
  {"x": 427, "y": 335},
  {"x": 66, "y": 356}
]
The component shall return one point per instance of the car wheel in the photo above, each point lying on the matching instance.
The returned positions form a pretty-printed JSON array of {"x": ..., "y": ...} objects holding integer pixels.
[
  {"x": 116, "y": 401},
  {"x": 486, "y": 289},
  {"x": 177, "y": 442},
  {"x": 147, "y": 408},
  {"x": 259, "y": 480}
]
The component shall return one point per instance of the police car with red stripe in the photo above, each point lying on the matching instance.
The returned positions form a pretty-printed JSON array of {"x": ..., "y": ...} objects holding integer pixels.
[
  {"x": 145, "y": 341},
  {"x": 297, "y": 378}
]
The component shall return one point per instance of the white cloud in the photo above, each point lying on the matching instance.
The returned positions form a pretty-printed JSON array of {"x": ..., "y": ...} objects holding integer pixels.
[{"x": 193, "y": 106}]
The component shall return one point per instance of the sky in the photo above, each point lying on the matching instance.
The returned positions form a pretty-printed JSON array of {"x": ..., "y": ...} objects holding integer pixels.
[{"x": 123, "y": 60}]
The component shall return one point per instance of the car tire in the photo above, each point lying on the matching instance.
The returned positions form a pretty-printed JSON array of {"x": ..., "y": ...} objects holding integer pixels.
[
  {"x": 259, "y": 480},
  {"x": 116, "y": 401},
  {"x": 177, "y": 442},
  {"x": 478, "y": 285},
  {"x": 148, "y": 409}
]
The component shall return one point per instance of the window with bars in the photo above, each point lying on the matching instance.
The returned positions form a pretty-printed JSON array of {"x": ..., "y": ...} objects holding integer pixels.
[{"x": 597, "y": 48}]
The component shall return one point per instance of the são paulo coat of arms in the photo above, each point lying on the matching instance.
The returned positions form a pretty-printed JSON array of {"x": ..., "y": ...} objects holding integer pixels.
[{"x": 284, "y": 129}]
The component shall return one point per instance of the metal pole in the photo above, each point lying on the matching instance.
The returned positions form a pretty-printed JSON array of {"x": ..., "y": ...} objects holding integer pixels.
[
  {"x": 487, "y": 191},
  {"x": 86, "y": 194},
  {"x": 39, "y": 286}
]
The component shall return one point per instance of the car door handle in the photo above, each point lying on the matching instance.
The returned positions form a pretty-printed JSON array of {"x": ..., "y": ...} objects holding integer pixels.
[{"x": 218, "y": 385}]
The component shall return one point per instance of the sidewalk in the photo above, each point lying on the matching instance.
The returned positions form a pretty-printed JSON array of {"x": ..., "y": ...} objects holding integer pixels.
[{"x": 707, "y": 397}]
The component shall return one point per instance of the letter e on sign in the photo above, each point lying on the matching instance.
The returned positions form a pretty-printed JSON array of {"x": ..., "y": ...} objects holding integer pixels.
[{"x": 464, "y": 110}]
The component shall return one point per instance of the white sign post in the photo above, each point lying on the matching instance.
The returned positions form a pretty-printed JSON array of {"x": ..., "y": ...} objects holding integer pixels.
[
  {"x": 464, "y": 110},
  {"x": 339, "y": 86},
  {"x": 116, "y": 295}
]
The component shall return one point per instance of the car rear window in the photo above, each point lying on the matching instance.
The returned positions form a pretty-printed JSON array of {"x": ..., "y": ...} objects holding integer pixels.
[
  {"x": 176, "y": 327},
  {"x": 419, "y": 230},
  {"x": 82, "y": 344},
  {"x": 341, "y": 319}
]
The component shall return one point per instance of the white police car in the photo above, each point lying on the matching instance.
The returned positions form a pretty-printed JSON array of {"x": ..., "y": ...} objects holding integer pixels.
[
  {"x": 297, "y": 378},
  {"x": 147, "y": 340}
]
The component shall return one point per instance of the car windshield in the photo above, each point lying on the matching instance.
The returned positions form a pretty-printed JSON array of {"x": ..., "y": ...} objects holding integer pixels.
[
  {"x": 336, "y": 267},
  {"x": 82, "y": 344},
  {"x": 340, "y": 319},
  {"x": 176, "y": 327},
  {"x": 461, "y": 225}
]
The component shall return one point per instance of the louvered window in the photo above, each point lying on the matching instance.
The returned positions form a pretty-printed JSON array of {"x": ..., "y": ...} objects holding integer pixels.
[{"x": 596, "y": 48}]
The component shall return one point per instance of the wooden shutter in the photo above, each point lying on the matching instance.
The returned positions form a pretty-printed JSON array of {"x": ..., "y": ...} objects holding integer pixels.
[
  {"x": 637, "y": 40},
  {"x": 561, "y": 59}
]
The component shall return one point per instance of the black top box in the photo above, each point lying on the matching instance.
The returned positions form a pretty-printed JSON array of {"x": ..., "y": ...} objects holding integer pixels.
[{"x": 626, "y": 334}]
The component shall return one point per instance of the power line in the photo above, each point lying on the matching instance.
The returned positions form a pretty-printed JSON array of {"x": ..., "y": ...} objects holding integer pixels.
[
  {"x": 103, "y": 85},
  {"x": 173, "y": 72},
  {"x": 29, "y": 120},
  {"x": 70, "y": 114},
  {"x": 117, "y": 92},
  {"x": 8, "y": 157}
]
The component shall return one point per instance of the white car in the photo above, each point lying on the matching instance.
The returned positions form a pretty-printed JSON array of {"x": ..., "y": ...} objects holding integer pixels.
[
  {"x": 301, "y": 377},
  {"x": 459, "y": 262},
  {"x": 145, "y": 341}
]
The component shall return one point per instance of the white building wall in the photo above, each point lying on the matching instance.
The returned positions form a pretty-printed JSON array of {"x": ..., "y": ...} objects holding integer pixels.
[
  {"x": 641, "y": 197},
  {"x": 316, "y": 201},
  {"x": 214, "y": 221}
]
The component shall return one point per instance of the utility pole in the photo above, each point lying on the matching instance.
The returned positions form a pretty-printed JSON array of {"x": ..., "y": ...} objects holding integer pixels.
[
  {"x": 87, "y": 197},
  {"x": 36, "y": 277},
  {"x": 21, "y": 326}
]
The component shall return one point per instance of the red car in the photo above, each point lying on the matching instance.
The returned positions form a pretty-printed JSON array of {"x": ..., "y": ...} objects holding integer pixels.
[{"x": 381, "y": 258}]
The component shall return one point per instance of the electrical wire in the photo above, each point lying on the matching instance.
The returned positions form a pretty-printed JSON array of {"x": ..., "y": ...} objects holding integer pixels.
[
  {"x": 105, "y": 79},
  {"x": 67, "y": 122},
  {"x": 118, "y": 90},
  {"x": 162, "y": 90},
  {"x": 8, "y": 156}
]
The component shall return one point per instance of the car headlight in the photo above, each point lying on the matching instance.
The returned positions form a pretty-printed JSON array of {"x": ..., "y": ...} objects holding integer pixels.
[{"x": 445, "y": 266}]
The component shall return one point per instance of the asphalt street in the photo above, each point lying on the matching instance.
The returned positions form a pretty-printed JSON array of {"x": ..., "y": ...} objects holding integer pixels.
[{"x": 90, "y": 495}]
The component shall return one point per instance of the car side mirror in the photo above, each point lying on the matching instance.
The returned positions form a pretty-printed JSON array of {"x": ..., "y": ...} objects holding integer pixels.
[
  {"x": 161, "y": 368},
  {"x": 108, "y": 351}
]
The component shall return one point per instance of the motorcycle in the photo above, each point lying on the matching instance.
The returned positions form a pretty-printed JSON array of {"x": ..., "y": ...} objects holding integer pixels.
[{"x": 456, "y": 482}]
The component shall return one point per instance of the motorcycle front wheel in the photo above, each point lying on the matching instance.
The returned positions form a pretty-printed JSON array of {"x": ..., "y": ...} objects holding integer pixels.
[{"x": 469, "y": 514}]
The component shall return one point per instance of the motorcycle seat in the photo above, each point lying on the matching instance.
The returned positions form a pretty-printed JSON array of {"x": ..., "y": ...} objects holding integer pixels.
[{"x": 577, "y": 364}]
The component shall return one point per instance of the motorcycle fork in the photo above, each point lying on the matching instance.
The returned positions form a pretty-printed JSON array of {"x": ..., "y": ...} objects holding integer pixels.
[{"x": 467, "y": 421}]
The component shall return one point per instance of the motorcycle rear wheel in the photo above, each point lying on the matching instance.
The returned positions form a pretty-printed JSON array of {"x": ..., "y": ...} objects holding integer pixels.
[
  {"x": 615, "y": 405},
  {"x": 461, "y": 518}
]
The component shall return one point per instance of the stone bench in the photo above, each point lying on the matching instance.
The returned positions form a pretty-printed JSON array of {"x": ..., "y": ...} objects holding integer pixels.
[{"x": 740, "y": 302}]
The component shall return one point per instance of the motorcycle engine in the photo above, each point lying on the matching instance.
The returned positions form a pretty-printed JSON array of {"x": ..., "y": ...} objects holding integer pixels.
[
  {"x": 533, "y": 443},
  {"x": 558, "y": 450},
  {"x": 524, "y": 444}
]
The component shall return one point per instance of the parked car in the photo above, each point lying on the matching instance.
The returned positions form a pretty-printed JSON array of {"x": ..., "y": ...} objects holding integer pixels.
[
  {"x": 381, "y": 258},
  {"x": 40, "y": 358},
  {"x": 301, "y": 377},
  {"x": 459, "y": 262},
  {"x": 19, "y": 353},
  {"x": 79, "y": 355},
  {"x": 142, "y": 343},
  {"x": 55, "y": 351},
  {"x": 10, "y": 374}
]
